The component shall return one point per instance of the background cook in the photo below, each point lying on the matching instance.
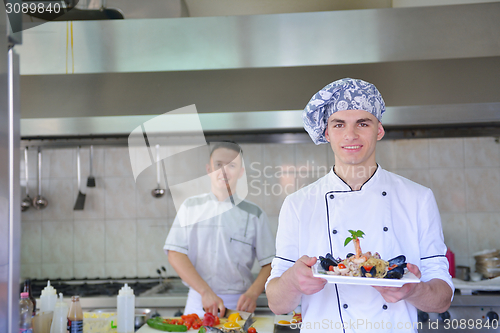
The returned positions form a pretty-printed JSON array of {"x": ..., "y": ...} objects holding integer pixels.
[{"x": 214, "y": 257}]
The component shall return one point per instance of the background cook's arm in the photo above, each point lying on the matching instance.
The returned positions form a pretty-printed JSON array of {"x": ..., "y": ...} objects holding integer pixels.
[
  {"x": 248, "y": 301},
  {"x": 184, "y": 267}
]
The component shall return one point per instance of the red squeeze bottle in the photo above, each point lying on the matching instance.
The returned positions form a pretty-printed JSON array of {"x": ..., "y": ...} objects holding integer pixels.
[{"x": 451, "y": 260}]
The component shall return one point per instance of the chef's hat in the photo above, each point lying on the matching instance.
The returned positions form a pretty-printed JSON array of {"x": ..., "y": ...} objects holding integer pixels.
[{"x": 343, "y": 94}]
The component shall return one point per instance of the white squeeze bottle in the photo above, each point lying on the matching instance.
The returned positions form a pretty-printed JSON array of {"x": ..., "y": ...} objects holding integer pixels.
[
  {"x": 126, "y": 310},
  {"x": 60, "y": 318},
  {"x": 48, "y": 298}
]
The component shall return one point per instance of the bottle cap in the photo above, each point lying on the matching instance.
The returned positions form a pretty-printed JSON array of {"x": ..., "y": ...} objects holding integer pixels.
[
  {"x": 60, "y": 302},
  {"x": 126, "y": 290},
  {"x": 49, "y": 290},
  {"x": 25, "y": 295}
]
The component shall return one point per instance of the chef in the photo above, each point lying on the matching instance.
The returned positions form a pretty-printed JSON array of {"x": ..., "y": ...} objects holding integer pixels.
[
  {"x": 397, "y": 216},
  {"x": 215, "y": 255}
]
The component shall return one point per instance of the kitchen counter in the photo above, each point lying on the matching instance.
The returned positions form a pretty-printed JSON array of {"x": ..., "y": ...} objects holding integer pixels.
[
  {"x": 263, "y": 324},
  {"x": 160, "y": 302}
]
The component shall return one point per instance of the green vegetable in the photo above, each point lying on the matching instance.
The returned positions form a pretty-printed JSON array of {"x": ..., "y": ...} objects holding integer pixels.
[
  {"x": 354, "y": 235},
  {"x": 157, "y": 323},
  {"x": 202, "y": 330}
]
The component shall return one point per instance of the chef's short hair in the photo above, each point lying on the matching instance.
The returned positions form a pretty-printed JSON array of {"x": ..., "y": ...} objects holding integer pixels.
[{"x": 226, "y": 144}]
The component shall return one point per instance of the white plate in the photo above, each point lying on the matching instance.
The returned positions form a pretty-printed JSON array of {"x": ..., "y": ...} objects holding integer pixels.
[
  {"x": 408, "y": 277},
  {"x": 292, "y": 327}
]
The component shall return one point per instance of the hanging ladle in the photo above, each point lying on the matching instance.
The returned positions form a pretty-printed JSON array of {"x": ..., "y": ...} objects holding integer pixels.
[
  {"x": 158, "y": 192},
  {"x": 80, "y": 199},
  {"x": 39, "y": 202},
  {"x": 26, "y": 203}
]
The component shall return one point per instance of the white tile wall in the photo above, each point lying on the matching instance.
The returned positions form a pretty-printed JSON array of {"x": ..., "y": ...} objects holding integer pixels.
[{"x": 122, "y": 229}]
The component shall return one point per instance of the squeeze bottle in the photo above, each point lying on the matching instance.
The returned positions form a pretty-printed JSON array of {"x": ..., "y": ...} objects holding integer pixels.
[
  {"x": 48, "y": 298},
  {"x": 126, "y": 310},
  {"x": 60, "y": 318}
]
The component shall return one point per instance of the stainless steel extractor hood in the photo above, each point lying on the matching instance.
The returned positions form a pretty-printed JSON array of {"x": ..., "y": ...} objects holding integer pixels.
[{"x": 432, "y": 65}]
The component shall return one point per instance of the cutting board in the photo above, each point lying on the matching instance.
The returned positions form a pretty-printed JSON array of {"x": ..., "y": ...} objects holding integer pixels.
[{"x": 263, "y": 324}]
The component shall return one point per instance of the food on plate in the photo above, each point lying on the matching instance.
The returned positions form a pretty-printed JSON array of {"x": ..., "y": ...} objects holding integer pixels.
[
  {"x": 159, "y": 324},
  {"x": 355, "y": 236},
  {"x": 297, "y": 317},
  {"x": 284, "y": 322},
  {"x": 363, "y": 264}
]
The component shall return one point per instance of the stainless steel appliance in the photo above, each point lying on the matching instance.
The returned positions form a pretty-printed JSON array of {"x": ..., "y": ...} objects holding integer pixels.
[
  {"x": 470, "y": 313},
  {"x": 10, "y": 235}
]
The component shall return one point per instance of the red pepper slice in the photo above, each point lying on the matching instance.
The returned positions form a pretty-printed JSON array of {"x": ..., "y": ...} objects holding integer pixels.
[
  {"x": 368, "y": 267},
  {"x": 341, "y": 266}
]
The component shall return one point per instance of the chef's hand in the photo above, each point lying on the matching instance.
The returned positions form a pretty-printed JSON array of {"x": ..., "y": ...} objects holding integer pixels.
[
  {"x": 395, "y": 294},
  {"x": 213, "y": 303},
  {"x": 301, "y": 277},
  {"x": 247, "y": 302}
]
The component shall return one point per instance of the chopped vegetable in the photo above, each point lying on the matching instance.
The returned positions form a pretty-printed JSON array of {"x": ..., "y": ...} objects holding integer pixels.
[
  {"x": 191, "y": 319},
  {"x": 368, "y": 267},
  {"x": 157, "y": 323},
  {"x": 342, "y": 266},
  {"x": 208, "y": 320},
  {"x": 234, "y": 317}
]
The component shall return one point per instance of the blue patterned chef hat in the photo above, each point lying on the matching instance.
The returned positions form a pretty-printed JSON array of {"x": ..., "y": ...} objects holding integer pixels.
[{"x": 343, "y": 94}]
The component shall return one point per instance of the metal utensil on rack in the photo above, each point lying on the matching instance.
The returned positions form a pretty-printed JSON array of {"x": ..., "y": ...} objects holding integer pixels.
[
  {"x": 158, "y": 192},
  {"x": 26, "y": 203},
  {"x": 80, "y": 200},
  {"x": 91, "y": 178},
  {"x": 39, "y": 202}
]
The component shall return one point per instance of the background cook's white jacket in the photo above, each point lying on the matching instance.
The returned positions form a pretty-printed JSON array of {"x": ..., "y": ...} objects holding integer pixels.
[
  {"x": 397, "y": 215},
  {"x": 222, "y": 248}
]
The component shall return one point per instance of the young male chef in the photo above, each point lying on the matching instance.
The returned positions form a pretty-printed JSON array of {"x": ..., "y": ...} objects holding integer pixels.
[
  {"x": 215, "y": 256},
  {"x": 397, "y": 216}
]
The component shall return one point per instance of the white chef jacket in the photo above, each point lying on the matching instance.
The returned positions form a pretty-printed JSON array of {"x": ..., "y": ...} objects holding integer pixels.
[
  {"x": 398, "y": 217},
  {"x": 222, "y": 248}
]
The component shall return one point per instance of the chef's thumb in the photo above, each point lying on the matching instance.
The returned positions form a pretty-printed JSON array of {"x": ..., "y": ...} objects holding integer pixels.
[
  {"x": 414, "y": 269},
  {"x": 309, "y": 261}
]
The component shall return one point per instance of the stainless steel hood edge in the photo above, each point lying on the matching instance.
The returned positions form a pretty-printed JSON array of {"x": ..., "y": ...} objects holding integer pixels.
[{"x": 262, "y": 122}]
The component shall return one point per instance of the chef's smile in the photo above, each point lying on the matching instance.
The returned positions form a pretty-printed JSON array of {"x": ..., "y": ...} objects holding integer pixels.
[{"x": 352, "y": 147}]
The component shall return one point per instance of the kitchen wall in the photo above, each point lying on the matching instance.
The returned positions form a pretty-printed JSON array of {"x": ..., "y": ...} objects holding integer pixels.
[{"x": 121, "y": 231}]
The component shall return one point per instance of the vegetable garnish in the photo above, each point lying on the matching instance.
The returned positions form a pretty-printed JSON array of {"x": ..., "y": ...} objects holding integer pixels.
[{"x": 355, "y": 235}]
